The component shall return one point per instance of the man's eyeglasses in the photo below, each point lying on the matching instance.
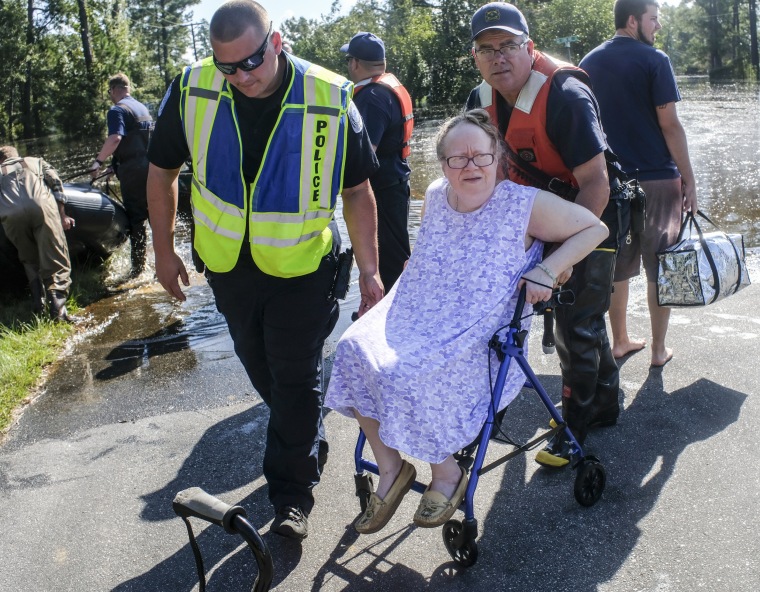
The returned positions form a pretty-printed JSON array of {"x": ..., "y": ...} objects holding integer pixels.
[
  {"x": 461, "y": 162},
  {"x": 252, "y": 62},
  {"x": 509, "y": 50}
]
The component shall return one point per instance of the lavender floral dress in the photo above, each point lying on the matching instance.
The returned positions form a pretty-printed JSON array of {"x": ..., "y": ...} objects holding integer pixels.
[{"x": 418, "y": 361}]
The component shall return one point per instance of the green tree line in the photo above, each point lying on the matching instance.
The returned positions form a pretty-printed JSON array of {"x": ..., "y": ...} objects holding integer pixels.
[{"x": 58, "y": 54}]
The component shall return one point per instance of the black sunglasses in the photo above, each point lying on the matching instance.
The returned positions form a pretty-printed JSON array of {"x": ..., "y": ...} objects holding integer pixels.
[{"x": 250, "y": 63}]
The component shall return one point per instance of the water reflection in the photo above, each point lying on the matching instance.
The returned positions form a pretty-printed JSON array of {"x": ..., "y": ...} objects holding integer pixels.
[
  {"x": 722, "y": 127},
  {"x": 722, "y": 123}
]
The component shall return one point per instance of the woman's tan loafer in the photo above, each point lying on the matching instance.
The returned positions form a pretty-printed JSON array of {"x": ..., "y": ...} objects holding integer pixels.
[
  {"x": 380, "y": 511},
  {"x": 435, "y": 509}
]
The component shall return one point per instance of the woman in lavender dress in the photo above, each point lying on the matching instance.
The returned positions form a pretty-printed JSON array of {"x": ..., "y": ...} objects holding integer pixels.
[{"x": 413, "y": 370}]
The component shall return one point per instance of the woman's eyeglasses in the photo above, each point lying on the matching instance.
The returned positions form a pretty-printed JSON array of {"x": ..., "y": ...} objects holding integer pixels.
[
  {"x": 250, "y": 63},
  {"x": 461, "y": 162}
]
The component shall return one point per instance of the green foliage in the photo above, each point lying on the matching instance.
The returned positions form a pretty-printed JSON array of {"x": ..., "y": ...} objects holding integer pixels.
[
  {"x": 52, "y": 77},
  {"x": 320, "y": 41},
  {"x": 12, "y": 18},
  {"x": 163, "y": 33},
  {"x": 708, "y": 37},
  {"x": 687, "y": 50},
  {"x": 25, "y": 351},
  {"x": 54, "y": 67},
  {"x": 453, "y": 71},
  {"x": 591, "y": 21}
]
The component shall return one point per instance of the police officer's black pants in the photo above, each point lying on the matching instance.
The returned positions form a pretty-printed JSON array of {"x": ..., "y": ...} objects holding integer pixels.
[
  {"x": 590, "y": 376},
  {"x": 278, "y": 326},
  {"x": 393, "y": 231}
]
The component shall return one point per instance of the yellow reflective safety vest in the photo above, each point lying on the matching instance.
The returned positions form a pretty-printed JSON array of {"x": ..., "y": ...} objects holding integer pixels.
[{"x": 292, "y": 199}]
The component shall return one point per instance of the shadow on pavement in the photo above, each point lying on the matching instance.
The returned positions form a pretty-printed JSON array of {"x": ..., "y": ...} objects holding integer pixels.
[
  {"x": 537, "y": 532},
  {"x": 379, "y": 574},
  {"x": 228, "y": 456},
  {"x": 533, "y": 532}
]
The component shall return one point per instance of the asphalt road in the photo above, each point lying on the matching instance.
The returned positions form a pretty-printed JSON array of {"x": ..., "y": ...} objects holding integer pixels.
[{"x": 130, "y": 417}]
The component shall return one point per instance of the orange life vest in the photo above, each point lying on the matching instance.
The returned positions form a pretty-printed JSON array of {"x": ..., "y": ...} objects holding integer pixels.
[
  {"x": 526, "y": 133},
  {"x": 404, "y": 100}
]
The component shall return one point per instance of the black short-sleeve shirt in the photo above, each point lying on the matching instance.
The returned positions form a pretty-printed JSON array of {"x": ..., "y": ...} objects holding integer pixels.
[
  {"x": 257, "y": 118},
  {"x": 573, "y": 122}
]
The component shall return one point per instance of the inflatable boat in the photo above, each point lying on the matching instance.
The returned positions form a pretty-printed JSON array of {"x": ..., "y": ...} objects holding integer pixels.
[{"x": 101, "y": 225}]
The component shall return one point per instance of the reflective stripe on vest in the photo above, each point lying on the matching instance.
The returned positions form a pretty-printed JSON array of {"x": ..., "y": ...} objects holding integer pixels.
[
  {"x": 293, "y": 197},
  {"x": 405, "y": 101}
]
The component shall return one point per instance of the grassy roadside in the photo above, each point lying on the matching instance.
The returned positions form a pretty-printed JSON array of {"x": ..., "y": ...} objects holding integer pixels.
[
  {"x": 29, "y": 344},
  {"x": 25, "y": 350}
]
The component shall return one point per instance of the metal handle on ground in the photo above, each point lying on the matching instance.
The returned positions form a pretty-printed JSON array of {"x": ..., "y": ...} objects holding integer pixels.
[{"x": 195, "y": 502}]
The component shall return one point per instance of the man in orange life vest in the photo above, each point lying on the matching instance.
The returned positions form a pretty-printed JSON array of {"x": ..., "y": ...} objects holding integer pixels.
[
  {"x": 551, "y": 124},
  {"x": 386, "y": 108}
]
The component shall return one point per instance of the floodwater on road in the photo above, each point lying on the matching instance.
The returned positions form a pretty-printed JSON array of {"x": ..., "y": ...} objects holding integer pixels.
[{"x": 722, "y": 124}]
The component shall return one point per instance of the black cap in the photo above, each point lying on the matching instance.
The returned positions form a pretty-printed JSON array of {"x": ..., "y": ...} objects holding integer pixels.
[
  {"x": 499, "y": 15},
  {"x": 365, "y": 46}
]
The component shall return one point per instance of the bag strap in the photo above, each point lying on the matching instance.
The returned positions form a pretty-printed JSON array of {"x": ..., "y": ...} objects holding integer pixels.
[
  {"x": 739, "y": 264},
  {"x": 701, "y": 214},
  {"x": 540, "y": 179},
  {"x": 690, "y": 220}
]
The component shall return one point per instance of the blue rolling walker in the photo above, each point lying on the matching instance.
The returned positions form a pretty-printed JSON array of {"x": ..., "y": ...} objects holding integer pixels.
[{"x": 459, "y": 537}]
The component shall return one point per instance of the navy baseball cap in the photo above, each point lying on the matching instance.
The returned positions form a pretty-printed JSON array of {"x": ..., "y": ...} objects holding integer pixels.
[
  {"x": 365, "y": 46},
  {"x": 499, "y": 15}
]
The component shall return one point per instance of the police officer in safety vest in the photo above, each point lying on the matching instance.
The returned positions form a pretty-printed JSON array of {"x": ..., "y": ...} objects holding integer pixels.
[
  {"x": 273, "y": 140},
  {"x": 551, "y": 125},
  {"x": 386, "y": 108}
]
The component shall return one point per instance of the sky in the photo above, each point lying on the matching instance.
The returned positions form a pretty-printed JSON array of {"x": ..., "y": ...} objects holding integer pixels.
[{"x": 279, "y": 11}]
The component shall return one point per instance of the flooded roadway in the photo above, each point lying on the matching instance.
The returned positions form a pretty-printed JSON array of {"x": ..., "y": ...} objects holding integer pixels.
[
  {"x": 722, "y": 123},
  {"x": 723, "y": 129}
]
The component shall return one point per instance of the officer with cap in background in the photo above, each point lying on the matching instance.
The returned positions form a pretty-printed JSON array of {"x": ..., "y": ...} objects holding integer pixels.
[{"x": 386, "y": 107}]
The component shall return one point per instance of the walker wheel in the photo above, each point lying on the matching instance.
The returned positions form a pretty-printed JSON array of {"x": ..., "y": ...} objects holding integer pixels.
[
  {"x": 465, "y": 553},
  {"x": 590, "y": 480},
  {"x": 364, "y": 488}
]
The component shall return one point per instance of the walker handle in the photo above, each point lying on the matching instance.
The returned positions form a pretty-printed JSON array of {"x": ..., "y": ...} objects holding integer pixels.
[{"x": 199, "y": 504}]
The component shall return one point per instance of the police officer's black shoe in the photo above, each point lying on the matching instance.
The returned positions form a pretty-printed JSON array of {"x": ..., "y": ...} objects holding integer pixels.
[
  {"x": 556, "y": 454},
  {"x": 291, "y": 522}
]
